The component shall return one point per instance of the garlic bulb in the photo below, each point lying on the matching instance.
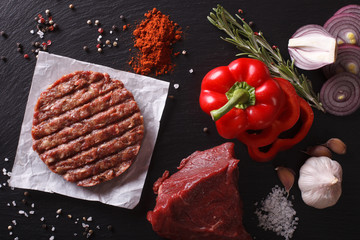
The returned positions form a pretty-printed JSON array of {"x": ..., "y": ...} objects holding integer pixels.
[{"x": 320, "y": 182}]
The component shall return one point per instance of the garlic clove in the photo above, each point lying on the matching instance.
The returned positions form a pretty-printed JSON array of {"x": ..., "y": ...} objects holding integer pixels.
[
  {"x": 336, "y": 145},
  {"x": 286, "y": 176},
  {"x": 318, "y": 151}
]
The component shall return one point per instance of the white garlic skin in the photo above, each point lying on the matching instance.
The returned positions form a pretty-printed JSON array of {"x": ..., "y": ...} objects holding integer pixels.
[{"x": 320, "y": 182}]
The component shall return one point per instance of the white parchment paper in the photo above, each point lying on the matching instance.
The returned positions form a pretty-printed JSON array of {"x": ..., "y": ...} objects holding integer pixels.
[{"x": 30, "y": 172}]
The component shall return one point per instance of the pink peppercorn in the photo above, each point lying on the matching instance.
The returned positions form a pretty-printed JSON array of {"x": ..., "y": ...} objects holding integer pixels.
[
  {"x": 26, "y": 56},
  {"x": 100, "y": 30}
]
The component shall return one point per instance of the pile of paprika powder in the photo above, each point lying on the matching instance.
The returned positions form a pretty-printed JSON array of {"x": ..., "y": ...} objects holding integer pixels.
[
  {"x": 248, "y": 104},
  {"x": 154, "y": 37}
]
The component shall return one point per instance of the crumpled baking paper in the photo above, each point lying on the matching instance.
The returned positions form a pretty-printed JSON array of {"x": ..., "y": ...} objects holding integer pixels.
[{"x": 29, "y": 171}]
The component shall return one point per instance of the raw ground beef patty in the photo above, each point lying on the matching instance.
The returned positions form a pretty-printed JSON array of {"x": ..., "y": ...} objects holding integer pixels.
[{"x": 87, "y": 127}]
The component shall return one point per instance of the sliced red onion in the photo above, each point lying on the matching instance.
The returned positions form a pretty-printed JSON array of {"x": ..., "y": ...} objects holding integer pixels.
[
  {"x": 340, "y": 95},
  {"x": 345, "y": 27},
  {"x": 352, "y": 8},
  {"x": 312, "y": 47},
  {"x": 347, "y": 60}
]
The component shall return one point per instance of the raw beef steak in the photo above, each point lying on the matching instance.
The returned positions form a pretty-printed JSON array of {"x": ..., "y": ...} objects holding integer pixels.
[{"x": 201, "y": 200}]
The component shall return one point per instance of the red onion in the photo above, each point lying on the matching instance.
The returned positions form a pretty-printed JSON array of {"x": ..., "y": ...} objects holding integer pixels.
[
  {"x": 345, "y": 27},
  {"x": 347, "y": 60},
  {"x": 353, "y": 9},
  {"x": 340, "y": 95},
  {"x": 312, "y": 47}
]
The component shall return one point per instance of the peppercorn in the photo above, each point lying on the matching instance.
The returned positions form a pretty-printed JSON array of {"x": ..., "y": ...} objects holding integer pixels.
[
  {"x": 71, "y": 6},
  {"x": 107, "y": 42},
  {"x": 114, "y": 27},
  {"x": 109, "y": 227},
  {"x": 19, "y": 45},
  {"x": 24, "y": 201},
  {"x": 97, "y": 22},
  {"x": 55, "y": 25},
  {"x": 51, "y": 22},
  {"x": 115, "y": 44},
  {"x": 89, "y": 22},
  {"x": 26, "y": 193},
  {"x": 122, "y": 17},
  {"x": 9, "y": 227},
  {"x": 100, "y": 30},
  {"x": 100, "y": 50},
  {"x": 44, "y": 226},
  {"x": 205, "y": 130},
  {"x": 37, "y": 44},
  {"x": 42, "y": 20},
  {"x": 47, "y": 12},
  {"x": 45, "y": 48},
  {"x": 3, "y": 58},
  {"x": 26, "y": 56},
  {"x": 20, "y": 50},
  {"x": 86, "y": 48}
]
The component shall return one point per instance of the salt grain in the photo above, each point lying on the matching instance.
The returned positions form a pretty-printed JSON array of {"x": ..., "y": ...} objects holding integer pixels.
[
  {"x": 176, "y": 86},
  {"x": 191, "y": 70},
  {"x": 6, "y": 159},
  {"x": 13, "y": 203},
  {"x": 276, "y": 213},
  {"x": 32, "y": 31},
  {"x": 52, "y": 238},
  {"x": 42, "y": 219},
  {"x": 89, "y": 219},
  {"x": 14, "y": 222},
  {"x": 53, "y": 229}
]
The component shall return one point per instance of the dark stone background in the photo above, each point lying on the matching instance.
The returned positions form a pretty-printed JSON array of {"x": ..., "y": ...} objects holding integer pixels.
[{"x": 182, "y": 122}]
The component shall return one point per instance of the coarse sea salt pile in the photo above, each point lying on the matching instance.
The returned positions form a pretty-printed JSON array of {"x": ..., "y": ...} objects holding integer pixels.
[{"x": 276, "y": 213}]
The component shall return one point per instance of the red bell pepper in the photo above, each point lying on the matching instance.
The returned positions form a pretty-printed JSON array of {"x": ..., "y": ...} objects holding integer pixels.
[
  {"x": 281, "y": 144},
  {"x": 241, "y": 96},
  {"x": 287, "y": 118}
]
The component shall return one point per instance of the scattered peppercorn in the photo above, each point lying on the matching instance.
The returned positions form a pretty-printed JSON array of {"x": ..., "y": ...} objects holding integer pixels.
[
  {"x": 205, "y": 130},
  {"x": 101, "y": 30},
  {"x": 69, "y": 216},
  {"x": 98, "y": 45},
  {"x": 71, "y": 6},
  {"x": 3, "y": 58},
  {"x": 20, "y": 50},
  {"x": 108, "y": 42},
  {"x": 251, "y": 23},
  {"x": 171, "y": 96},
  {"x": 19, "y": 45},
  {"x": 47, "y": 12},
  {"x": 114, "y": 27},
  {"x": 51, "y": 22},
  {"x": 115, "y": 44},
  {"x": 89, "y": 22},
  {"x": 9, "y": 227},
  {"x": 44, "y": 226},
  {"x": 184, "y": 52},
  {"x": 109, "y": 227},
  {"x": 86, "y": 48},
  {"x": 26, "y": 56},
  {"x": 24, "y": 201},
  {"x": 2, "y": 33},
  {"x": 122, "y": 17},
  {"x": 26, "y": 194},
  {"x": 97, "y": 22}
]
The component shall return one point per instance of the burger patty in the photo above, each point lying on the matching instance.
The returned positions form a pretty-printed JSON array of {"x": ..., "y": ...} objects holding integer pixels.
[{"x": 87, "y": 127}]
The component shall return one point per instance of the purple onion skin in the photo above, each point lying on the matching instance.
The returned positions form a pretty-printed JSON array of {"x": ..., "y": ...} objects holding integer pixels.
[
  {"x": 346, "y": 54},
  {"x": 352, "y": 8},
  {"x": 340, "y": 95},
  {"x": 340, "y": 24}
]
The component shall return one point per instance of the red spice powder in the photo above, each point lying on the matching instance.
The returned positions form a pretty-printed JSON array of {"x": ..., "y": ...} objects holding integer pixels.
[{"x": 154, "y": 37}]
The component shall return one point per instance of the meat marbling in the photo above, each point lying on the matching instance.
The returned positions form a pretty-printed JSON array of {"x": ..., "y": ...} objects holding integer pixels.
[{"x": 201, "y": 200}]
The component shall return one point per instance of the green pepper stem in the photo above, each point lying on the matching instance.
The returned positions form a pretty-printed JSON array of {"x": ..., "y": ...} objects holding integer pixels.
[{"x": 240, "y": 96}]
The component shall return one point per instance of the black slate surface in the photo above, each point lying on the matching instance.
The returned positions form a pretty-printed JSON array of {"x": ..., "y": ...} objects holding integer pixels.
[{"x": 182, "y": 122}]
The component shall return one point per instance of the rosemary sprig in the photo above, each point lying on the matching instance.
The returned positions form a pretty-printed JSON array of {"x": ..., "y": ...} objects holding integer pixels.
[{"x": 254, "y": 45}]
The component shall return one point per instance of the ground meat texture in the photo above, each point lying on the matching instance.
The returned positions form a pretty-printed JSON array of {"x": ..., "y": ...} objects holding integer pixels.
[{"x": 87, "y": 127}]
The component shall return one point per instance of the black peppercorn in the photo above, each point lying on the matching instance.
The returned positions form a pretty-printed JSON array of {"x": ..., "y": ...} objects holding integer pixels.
[
  {"x": 19, "y": 45},
  {"x": 3, "y": 58},
  {"x": 20, "y": 50},
  {"x": 55, "y": 25},
  {"x": 37, "y": 44},
  {"x": 114, "y": 27},
  {"x": 86, "y": 48},
  {"x": 122, "y": 17},
  {"x": 2, "y": 33},
  {"x": 44, "y": 226},
  {"x": 109, "y": 227}
]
